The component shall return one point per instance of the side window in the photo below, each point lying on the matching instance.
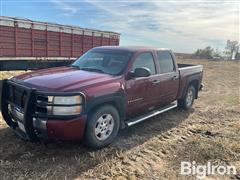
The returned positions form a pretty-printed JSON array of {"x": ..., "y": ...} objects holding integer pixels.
[
  {"x": 165, "y": 62},
  {"x": 145, "y": 60}
]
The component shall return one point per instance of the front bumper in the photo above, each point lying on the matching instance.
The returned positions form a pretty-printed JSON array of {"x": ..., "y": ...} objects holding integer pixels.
[
  {"x": 32, "y": 125},
  {"x": 66, "y": 130}
]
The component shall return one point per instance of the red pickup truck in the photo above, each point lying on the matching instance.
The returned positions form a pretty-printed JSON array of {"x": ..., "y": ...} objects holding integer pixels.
[{"x": 106, "y": 89}]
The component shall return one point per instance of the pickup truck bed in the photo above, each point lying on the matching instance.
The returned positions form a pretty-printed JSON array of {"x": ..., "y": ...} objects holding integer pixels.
[
  {"x": 186, "y": 65},
  {"x": 189, "y": 69},
  {"x": 189, "y": 73}
]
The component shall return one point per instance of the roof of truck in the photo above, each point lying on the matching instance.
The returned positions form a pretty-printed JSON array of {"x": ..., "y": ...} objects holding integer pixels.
[{"x": 131, "y": 48}]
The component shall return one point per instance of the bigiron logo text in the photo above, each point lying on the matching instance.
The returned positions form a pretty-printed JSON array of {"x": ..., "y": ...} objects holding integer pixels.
[{"x": 201, "y": 171}]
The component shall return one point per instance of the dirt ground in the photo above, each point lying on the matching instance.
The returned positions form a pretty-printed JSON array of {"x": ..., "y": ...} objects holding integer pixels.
[{"x": 154, "y": 149}]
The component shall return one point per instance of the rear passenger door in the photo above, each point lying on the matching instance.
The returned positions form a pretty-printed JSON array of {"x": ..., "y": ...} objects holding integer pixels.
[{"x": 169, "y": 77}]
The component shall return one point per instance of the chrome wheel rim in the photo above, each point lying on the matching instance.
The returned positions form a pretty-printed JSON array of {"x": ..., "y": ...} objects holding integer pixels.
[
  {"x": 189, "y": 97},
  {"x": 104, "y": 127}
]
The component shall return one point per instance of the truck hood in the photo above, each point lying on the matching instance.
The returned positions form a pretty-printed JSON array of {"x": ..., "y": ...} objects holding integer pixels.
[{"x": 62, "y": 79}]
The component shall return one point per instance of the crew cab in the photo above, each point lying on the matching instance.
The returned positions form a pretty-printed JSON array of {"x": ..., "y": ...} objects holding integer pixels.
[{"x": 106, "y": 89}]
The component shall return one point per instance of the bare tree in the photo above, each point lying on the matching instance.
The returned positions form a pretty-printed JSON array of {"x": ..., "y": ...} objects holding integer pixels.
[{"x": 232, "y": 49}]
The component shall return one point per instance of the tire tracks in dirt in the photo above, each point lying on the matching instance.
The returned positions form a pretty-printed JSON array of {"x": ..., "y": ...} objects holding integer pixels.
[{"x": 148, "y": 159}]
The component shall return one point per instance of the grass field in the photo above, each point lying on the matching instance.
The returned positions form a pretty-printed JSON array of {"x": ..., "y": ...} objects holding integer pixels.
[{"x": 154, "y": 149}]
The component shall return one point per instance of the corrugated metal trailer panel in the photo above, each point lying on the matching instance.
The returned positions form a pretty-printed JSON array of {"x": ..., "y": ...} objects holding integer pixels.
[{"x": 26, "y": 38}]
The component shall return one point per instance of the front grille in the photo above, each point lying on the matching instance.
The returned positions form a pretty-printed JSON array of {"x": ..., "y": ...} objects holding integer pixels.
[{"x": 41, "y": 104}]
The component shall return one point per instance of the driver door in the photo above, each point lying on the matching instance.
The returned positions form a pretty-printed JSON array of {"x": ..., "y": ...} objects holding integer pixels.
[{"x": 140, "y": 90}]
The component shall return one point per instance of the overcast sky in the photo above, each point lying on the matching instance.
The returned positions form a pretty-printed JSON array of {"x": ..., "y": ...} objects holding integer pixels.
[{"x": 182, "y": 26}]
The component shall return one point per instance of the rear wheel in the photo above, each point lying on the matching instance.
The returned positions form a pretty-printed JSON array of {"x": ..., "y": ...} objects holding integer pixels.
[
  {"x": 102, "y": 127},
  {"x": 187, "y": 101}
]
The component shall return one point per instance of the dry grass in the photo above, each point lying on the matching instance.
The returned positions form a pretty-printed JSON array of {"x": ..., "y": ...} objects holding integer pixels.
[
  {"x": 210, "y": 131},
  {"x": 7, "y": 74}
]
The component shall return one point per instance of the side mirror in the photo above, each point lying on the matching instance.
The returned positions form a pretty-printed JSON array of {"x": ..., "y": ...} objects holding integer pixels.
[{"x": 140, "y": 72}]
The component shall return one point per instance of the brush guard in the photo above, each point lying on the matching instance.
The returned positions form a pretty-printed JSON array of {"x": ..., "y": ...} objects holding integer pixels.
[
  {"x": 28, "y": 103},
  {"x": 27, "y": 107}
]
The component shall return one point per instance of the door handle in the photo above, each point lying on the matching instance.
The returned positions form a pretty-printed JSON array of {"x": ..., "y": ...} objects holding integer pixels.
[
  {"x": 174, "y": 78},
  {"x": 155, "y": 82}
]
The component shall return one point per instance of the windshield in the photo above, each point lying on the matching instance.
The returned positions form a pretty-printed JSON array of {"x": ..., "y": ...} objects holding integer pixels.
[{"x": 104, "y": 61}]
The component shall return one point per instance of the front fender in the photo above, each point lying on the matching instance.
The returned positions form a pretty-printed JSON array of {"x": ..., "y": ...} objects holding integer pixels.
[{"x": 118, "y": 100}]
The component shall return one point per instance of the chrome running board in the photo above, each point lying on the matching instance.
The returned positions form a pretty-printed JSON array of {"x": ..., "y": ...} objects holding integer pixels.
[{"x": 151, "y": 114}]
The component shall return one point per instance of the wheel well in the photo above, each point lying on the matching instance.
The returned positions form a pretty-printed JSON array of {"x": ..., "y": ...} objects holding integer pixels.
[
  {"x": 195, "y": 84},
  {"x": 116, "y": 105}
]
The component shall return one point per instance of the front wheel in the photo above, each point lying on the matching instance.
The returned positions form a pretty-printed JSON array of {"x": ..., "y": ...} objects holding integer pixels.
[
  {"x": 102, "y": 127},
  {"x": 187, "y": 101}
]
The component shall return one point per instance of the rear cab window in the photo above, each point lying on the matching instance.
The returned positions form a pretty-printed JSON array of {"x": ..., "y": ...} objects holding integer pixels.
[
  {"x": 165, "y": 62},
  {"x": 145, "y": 60}
]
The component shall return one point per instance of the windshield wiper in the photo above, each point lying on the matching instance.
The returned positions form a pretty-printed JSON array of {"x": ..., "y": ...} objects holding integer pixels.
[{"x": 92, "y": 69}]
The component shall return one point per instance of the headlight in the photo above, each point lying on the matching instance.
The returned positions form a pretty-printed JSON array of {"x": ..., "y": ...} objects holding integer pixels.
[{"x": 65, "y": 105}]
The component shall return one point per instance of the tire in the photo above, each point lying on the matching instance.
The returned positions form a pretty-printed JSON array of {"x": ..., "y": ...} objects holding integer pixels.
[
  {"x": 187, "y": 102},
  {"x": 102, "y": 127}
]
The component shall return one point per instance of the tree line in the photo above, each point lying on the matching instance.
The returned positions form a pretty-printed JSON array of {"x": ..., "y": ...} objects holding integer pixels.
[{"x": 231, "y": 51}]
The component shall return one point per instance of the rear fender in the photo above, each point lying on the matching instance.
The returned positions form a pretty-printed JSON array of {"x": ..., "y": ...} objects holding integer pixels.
[{"x": 194, "y": 80}]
